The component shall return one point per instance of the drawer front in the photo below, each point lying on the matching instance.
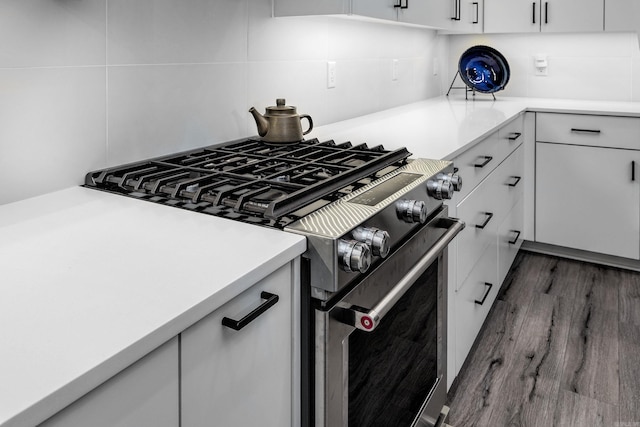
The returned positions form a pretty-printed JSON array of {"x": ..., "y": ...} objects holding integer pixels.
[
  {"x": 482, "y": 211},
  {"x": 480, "y": 160},
  {"x": 597, "y": 131},
  {"x": 513, "y": 132},
  {"x": 471, "y": 314},
  {"x": 241, "y": 377},
  {"x": 510, "y": 239},
  {"x": 510, "y": 181}
]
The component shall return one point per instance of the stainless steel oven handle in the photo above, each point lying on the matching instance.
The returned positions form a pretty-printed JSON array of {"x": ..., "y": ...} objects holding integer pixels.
[{"x": 368, "y": 319}]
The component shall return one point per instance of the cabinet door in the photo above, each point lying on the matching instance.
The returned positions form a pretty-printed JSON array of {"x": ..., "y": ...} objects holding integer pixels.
[
  {"x": 144, "y": 394},
  {"x": 242, "y": 378},
  {"x": 586, "y": 199},
  {"x": 382, "y": 9},
  {"x": 622, "y": 15},
  {"x": 511, "y": 16},
  {"x": 572, "y": 16}
]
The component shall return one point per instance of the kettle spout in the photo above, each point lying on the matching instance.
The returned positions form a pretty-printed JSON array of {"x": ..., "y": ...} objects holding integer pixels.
[{"x": 261, "y": 122}]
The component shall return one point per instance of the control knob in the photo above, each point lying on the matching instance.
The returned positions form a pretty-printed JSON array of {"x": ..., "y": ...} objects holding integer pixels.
[
  {"x": 455, "y": 179},
  {"x": 411, "y": 211},
  {"x": 354, "y": 256},
  {"x": 440, "y": 188},
  {"x": 378, "y": 240}
]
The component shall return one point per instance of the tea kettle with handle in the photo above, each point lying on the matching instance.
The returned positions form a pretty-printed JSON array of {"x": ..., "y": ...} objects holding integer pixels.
[{"x": 281, "y": 124}]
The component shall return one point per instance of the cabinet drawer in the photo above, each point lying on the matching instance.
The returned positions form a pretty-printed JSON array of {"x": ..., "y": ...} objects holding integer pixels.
[
  {"x": 479, "y": 161},
  {"x": 510, "y": 239},
  {"x": 510, "y": 181},
  {"x": 597, "y": 131},
  {"x": 244, "y": 377},
  {"x": 471, "y": 314}
]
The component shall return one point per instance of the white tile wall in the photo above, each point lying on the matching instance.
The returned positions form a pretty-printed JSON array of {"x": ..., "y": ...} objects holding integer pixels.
[
  {"x": 596, "y": 66},
  {"x": 90, "y": 83}
]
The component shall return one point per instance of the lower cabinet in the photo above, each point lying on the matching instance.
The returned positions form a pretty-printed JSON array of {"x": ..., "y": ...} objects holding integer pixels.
[
  {"x": 233, "y": 378},
  {"x": 144, "y": 394},
  {"x": 493, "y": 212}
]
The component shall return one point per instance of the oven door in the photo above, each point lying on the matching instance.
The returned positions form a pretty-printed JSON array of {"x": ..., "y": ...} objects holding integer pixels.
[{"x": 380, "y": 356}]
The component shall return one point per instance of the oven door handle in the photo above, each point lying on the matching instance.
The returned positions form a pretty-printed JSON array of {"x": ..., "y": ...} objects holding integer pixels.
[{"x": 368, "y": 319}]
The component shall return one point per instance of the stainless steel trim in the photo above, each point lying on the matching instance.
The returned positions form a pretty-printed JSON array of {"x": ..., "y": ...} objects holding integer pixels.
[{"x": 368, "y": 319}]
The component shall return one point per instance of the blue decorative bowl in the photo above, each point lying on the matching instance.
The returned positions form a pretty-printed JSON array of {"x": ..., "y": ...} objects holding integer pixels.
[{"x": 484, "y": 69}]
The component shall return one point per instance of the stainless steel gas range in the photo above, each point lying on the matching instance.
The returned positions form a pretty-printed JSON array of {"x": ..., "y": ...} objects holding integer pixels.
[{"x": 373, "y": 277}]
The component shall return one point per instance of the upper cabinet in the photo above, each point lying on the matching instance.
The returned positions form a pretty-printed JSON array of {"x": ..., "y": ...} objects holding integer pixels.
[
  {"x": 622, "y": 15},
  {"x": 455, "y": 15},
  {"x": 521, "y": 16},
  {"x": 460, "y": 16}
]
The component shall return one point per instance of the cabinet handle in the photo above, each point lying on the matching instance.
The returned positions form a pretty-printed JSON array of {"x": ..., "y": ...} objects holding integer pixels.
[
  {"x": 270, "y": 301},
  {"x": 514, "y": 136},
  {"x": 515, "y": 239},
  {"x": 477, "y": 20},
  {"x": 486, "y": 294},
  {"x": 577, "y": 130},
  {"x": 489, "y": 215},
  {"x": 517, "y": 180},
  {"x": 399, "y": 4},
  {"x": 633, "y": 170},
  {"x": 534, "y": 13},
  {"x": 456, "y": 10},
  {"x": 546, "y": 12},
  {"x": 486, "y": 161}
]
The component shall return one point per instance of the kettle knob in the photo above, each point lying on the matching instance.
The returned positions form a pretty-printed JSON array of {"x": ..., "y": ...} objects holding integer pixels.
[{"x": 281, "y": 102}]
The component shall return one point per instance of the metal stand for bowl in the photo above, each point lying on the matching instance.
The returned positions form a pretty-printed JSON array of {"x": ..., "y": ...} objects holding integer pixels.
[{"x": 466, "y": 88}]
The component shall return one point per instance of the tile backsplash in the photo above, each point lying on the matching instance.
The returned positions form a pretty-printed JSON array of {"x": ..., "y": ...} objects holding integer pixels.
[{"x": 92, "y": 83}]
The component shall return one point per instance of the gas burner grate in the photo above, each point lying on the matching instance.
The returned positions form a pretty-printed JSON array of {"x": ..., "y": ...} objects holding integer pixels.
[{"x": 249, "y": 180}]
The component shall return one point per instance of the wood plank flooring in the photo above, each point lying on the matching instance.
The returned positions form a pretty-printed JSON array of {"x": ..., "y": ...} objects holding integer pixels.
[{"x": 560, "y": 347}]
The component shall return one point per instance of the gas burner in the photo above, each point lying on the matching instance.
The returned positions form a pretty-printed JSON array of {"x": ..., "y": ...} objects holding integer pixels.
[{"x": 261, "y": 183}]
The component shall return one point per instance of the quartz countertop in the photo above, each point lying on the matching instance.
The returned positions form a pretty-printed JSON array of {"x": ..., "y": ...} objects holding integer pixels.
[
  {"x": 444, "y": 127},
  {"x": 92, "y": 281}
]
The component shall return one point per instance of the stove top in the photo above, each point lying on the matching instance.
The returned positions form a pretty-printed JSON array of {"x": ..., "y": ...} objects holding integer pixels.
[{"x": 251, "y": 181}]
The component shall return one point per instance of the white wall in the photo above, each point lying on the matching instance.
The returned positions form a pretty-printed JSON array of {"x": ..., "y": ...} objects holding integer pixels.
[
  {"x": 595, "y": 66},
  {"x": 86, "y": 84}
]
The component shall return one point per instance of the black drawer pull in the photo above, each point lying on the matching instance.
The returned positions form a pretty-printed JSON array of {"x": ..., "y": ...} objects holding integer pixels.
[
  {"x": 270, "y": 301},
  {"x": 514, "y": 136},
  {"x": 633, "y": 170},
  {"x": 486, "y": 221},
  {"x": 534, "y": 13},
  {"x": 517, "y": 180},
  {"x": 486, "y": 161},
  {"x": 515, "y": 239},
  {"x": 489, "y": 286},
  {"x": 577, "y": 130},
  {"x": 477, "y": 20}
]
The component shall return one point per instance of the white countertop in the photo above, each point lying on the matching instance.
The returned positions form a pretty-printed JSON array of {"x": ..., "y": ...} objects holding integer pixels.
[
  {"x": 442, "y": 128},
  {"x": 89, "y": 286}
]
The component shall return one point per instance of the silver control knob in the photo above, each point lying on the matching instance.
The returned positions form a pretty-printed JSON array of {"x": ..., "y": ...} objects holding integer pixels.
[
  {"x": 378, "y": 240},
  {"x": 440, "y": 188},
  {"x": 354, "y": 256},
  {"x": 456, "y": 180},
  {"x": 411, "y": 211}
]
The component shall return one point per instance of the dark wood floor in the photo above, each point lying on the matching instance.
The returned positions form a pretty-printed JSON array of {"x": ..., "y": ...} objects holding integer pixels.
[{"x": 560, "y": 347}]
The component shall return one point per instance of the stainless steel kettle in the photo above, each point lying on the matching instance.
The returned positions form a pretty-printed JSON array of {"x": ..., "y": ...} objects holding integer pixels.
[{"x": 281, "y": 124}]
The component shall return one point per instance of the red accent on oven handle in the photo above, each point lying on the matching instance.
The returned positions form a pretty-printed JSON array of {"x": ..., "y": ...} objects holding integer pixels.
[{"x": 373, "y": 316}]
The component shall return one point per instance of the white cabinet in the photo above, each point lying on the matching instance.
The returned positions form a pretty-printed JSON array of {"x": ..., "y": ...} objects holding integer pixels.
[
  {"x": 588, "y": 195},
  {"x": 521, "y": 16},
  {"x": 491, "y": 205},
  {"x": 244, "y": 377},
  {"x": 457, "y": 15},
  {"x": 144, "y": 394},
  {"x": 622, "y": 15}
]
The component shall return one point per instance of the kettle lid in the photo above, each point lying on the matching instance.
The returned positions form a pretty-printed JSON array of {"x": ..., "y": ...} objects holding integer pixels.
[{"x": 280, "y": 108}]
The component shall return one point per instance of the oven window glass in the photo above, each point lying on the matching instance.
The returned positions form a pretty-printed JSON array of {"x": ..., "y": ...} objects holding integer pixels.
[{"x": 393, "y": 369}]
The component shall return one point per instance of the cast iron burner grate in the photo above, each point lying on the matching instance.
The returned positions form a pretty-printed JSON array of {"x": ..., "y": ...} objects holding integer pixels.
[{"x": 250, "y": 181}]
